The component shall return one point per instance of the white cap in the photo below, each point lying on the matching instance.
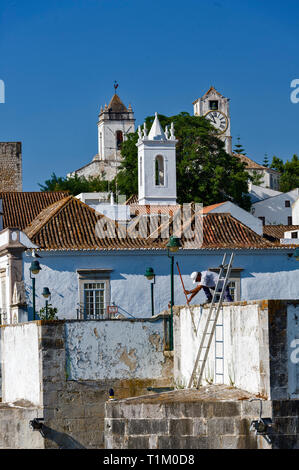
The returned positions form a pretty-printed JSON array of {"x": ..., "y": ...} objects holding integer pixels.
[{"x": 194, "y": 276}]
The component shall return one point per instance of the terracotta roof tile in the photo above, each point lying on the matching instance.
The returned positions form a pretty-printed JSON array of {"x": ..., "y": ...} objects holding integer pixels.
[
  {"x": 21, "y": 208},
  {"x": 208, "y": 209},
  {"x": 276, "y": 232},
  {"x": 69, "y": 224}
]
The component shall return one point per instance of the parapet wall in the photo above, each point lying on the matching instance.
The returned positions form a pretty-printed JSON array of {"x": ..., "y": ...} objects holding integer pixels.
[
  {"x": 66, "y": 368},
  {"x": 254, "y": 347}
]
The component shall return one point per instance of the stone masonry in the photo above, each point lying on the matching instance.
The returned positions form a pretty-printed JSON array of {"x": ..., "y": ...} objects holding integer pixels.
[
  {"x": 214, "y": 417},
  {"x": 10, "y": 166}
]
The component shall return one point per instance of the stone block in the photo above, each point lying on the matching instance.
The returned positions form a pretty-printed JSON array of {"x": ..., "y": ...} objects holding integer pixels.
[
  {"x": 138, "y": 442},
  {"x": 181, "y": 427},
  {"x": 200, "y": 426},
  {"x": 229, "y": 442},
  {"x": 221, "y": 426},
  {"x": 152, "y": 411},
  {"x": 115, "y": 426},
  {"x": 288, "y": 425},
  {"x": 171, "y": 442},
  {"x": 147, "y": 426}
]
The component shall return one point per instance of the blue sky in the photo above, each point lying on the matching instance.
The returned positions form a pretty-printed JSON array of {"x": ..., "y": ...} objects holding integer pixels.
[{"x": 59, "y": 60}]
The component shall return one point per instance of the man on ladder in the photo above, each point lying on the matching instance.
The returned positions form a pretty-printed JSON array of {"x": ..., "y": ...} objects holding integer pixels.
[{"x": 207, "y": 281}]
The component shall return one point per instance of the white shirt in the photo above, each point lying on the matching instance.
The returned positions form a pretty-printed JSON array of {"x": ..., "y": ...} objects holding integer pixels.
[{"x": 209, "y": 279}]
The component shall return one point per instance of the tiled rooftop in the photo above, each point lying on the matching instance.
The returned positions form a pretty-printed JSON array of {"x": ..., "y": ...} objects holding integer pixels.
[{"x": 20, "y": 208}]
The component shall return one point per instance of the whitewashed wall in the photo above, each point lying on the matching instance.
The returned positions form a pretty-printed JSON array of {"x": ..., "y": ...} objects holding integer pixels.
[
  {"x": 295, "y": 212},
  {"x": 271, "y": 274},
  {"x": 114, "y": 349},
  {"x": 240, "y": 214},
  {"x": 260, "y": 347},
  {"x": 273, "y": 208},
  {"x": 244, "y": 361},
  {"x": 20, "y": 363}
]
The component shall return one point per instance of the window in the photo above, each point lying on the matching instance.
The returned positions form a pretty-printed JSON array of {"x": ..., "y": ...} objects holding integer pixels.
[
  {"x": 94, "y": 299},
  {"x": 119, "y": 139},
  {"x": 94, "y": 293},
  {"x": 234, "y": 283},
  {"x": 290, "y": 221},
  {"x": 287, "y": 203},
  {"x": 159, "y": 170},
  {"x": 294, "y": 234},
  {"x": 213, "y": 105}
]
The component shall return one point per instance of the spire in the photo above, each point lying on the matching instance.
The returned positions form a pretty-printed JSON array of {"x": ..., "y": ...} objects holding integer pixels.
[{"x": 156, "y": 132}]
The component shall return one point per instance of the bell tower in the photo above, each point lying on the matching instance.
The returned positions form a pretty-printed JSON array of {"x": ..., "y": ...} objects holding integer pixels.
[
  {"x": 215, "y": 107},
  {"x": 156, "y": 165},
  {"x": 115, "y": 122}
]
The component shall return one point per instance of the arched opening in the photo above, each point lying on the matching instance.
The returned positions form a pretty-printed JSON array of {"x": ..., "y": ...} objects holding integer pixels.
[
  {"x": 159, "y": 170},
  {"x": 119, "y": 139}
]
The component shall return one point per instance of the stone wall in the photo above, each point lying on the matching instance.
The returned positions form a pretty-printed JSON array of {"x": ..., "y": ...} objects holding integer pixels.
[
  {"x": 15, "y": 432},
  {"x": 10, "y": 166},
  {"x": 71, "y": 404},
  {"x": 214, "y": 417}
]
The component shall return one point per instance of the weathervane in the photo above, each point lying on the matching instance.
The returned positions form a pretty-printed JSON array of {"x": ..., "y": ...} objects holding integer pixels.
[{"x": 115, "y": 86}]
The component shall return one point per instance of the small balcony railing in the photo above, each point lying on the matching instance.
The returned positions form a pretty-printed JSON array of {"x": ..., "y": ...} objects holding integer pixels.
[{"x": 109, "y": 312}]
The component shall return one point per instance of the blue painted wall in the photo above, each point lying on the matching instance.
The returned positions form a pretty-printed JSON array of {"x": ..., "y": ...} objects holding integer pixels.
[{"x": 270, "y": 274}]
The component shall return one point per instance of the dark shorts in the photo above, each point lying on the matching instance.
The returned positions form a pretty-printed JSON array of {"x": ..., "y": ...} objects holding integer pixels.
[{"x": 209, "y": 294}]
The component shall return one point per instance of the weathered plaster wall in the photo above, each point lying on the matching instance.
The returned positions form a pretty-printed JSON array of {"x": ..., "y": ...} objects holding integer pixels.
[
  {"x": 272, "y": 274},
  {"x": 72, "y": 400},
  {"x": 21, "y": 372},
  {"x": 257, "y": 347},
  {"x": 115, "y": 349}
]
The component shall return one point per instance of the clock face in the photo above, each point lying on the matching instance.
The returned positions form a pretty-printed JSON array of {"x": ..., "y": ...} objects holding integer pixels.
[{"x": 218, "y": 120}]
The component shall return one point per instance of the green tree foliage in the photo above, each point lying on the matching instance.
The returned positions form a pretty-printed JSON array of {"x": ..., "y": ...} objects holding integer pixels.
[
  {"x": 205, "y": 172},
  {"x": 256, "y": 178},
  {"x": 266, "y": 161},
  {"x": 239, "y": 149},
  {"x": 289, "y": 173},
  {"x": 76, "y": 184}
]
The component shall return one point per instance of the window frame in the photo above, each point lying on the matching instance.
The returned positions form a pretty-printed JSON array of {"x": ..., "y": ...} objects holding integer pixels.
[
  {"x": 94, "y": 276},
  {"x": 235, "y": 276}
]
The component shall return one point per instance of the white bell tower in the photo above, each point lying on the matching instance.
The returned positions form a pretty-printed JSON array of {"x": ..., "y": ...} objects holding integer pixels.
[{"x": 156, "y": 165}]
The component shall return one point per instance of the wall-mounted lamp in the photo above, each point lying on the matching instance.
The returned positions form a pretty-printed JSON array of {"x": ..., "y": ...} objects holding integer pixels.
[
  {"x": 34, "y": 269},
  {"x": 261, "y": 426},
  {"x": 46, "y": 294},
  {"x": 150, "y": 275}
]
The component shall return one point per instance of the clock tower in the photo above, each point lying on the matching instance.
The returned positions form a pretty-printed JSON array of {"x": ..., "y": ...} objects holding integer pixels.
[{"x": 215, "y": 107}]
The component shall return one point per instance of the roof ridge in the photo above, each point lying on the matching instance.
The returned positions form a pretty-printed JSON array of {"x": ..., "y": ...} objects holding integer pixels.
[{"x": 31, "y": 232}]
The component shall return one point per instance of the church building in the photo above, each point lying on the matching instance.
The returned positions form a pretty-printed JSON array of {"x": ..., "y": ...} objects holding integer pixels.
[{"x": 116, "y": 121}]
